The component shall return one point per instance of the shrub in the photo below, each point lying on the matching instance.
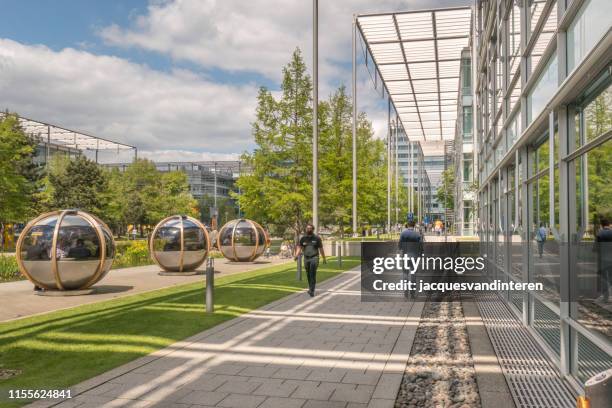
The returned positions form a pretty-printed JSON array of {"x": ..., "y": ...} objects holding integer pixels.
[
  {"x": 8, "y": 268},
  {"x": 132, "y": 253}
]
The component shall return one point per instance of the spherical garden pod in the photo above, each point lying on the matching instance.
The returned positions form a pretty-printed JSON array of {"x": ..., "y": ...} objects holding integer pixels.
[
  {"x": 65, "y": 250},
  {"x": 179, "y": 244},
  {"x": 242, "y": 240}
]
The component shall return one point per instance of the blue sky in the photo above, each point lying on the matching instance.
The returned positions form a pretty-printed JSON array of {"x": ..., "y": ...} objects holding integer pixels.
[
  {"x": 76, "y": 24},
  {"x": 177, "y": 78}
]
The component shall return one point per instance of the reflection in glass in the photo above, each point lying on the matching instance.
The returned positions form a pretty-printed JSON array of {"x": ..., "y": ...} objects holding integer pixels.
[
  {"x": 543, "y": 89},
  {"x": 242, "y": 240},
  {"x": 179, "y": 244},
  {"x": 588, "y": 26},
  {"x": 591, "y": 247},
  {"x": 546, "y": 323}
]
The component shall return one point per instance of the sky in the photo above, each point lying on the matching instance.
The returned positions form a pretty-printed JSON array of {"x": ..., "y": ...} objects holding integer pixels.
[{"x": 176, "y": 78}]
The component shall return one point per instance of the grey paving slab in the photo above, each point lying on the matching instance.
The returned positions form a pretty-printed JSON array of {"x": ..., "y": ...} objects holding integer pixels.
[
  {"x": 276, "y": 402},
  {"x": 294, "y": 352}
]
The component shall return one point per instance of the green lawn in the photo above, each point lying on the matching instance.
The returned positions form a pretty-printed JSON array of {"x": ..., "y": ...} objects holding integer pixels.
[{"x": 63, "y": 348}]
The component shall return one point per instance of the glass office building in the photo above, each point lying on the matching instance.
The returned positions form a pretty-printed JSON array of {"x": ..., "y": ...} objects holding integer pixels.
[
  {"x": 205, "y": 178},
  {"x": 543, "y": 128},
  {"x": 464, "y": 210}
]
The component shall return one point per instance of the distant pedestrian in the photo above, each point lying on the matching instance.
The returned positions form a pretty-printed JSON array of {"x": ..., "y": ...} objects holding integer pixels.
[
  {"x": 540, "y": 238},
  {"x": 311, "y": 245},
  {"x": 411, "y": 244}
]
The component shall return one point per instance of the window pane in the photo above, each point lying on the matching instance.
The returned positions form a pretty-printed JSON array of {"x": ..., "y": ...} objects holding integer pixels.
[
  {"x": 595, "y": 118},
  {"x": 589, "y": 25},
  {"x": 545, "y": 87},
  {"x": 591, "y": 248},
  {"x": 544, "y": 250},
  {"x": 467, "y": 123}
]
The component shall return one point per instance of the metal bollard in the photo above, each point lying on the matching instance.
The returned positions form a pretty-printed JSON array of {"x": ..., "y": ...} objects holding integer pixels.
[
  {"x": 210, "y": 285},
  {"x": 299, "y": 268},
  {"x": 339, "y": 251},
  {"x": 598, "y": 390}
]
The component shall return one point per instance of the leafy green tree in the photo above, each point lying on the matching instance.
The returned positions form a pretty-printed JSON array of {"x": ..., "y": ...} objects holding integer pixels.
[
  {"x": 80, "y": 184},
  {"x": 142, "y": 195},
  {"x": 226, "y": 208},
  {"x": 371, "y": 175},
  {"x": 175, "y": 196},
  {"x": 19, "y": 174},
  {"x": 335, "y": 160},
  {"x": 446, "y": 192},
  {"x": 599, "y": 120},
  {"x": 278, "y": 192}
]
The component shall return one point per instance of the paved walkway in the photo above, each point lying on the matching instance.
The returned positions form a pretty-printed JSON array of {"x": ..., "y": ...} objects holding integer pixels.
[
  {"x": 328, "y": 351},
  {"x": 18, "y": 299}
]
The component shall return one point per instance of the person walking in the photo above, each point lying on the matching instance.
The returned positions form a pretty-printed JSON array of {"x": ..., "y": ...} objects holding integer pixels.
[
  {"x": 540, "y": 238},
  {"x": 411, "y": 240},
  {"x": 311, "y": 245},
  {"x": 411, "y": 244}
]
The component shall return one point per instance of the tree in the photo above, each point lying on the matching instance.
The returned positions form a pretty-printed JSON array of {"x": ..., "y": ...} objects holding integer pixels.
[
  {"x": 278, "y": 192},
  {"x": 175, "y": 196},
  {"x": 142, "y": 195},
  {"x": 80, "y": 184},
  {"x": 335, "y": 160},
  {"x": 19, "y": 174},
  {"x": 226, "y": 209},
  {"x": 446, "y": 192},
  {"x": 599, "y": 120}
]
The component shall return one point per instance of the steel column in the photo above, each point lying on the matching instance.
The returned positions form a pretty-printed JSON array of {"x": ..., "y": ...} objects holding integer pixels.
[
  {"x": 315, "y": 114},
  {"x": 354, "y": 126},
  {"x": 389, "y": 124}
]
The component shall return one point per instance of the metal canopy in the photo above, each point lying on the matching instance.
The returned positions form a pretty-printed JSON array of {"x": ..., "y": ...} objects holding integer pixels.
[
  {"x": 71, "y": 139},
  {"x": 418, "y": 56}
]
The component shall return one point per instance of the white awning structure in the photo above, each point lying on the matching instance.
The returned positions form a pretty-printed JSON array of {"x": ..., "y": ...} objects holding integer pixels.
[
  {"x": 70, "y": 139},
  {"x": 418, "y": 56}
]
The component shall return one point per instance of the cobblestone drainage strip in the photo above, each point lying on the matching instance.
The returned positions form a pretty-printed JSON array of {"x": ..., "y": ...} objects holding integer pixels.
[
  {"x": 533, "y": 381},
  {"x": 440, "y": 371}
]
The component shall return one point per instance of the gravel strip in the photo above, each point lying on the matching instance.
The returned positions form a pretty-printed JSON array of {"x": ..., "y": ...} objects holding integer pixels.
[{"x": 440, "y": 371}]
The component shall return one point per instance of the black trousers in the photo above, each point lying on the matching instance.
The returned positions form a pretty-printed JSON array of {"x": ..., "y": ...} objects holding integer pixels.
[{"x": 311, "y": 264}]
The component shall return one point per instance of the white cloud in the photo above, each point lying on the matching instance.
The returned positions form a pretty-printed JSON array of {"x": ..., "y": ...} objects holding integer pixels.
[
  {"x": 259, "y": 35},
  {"x": 178, "y": 115},
  {"x": 255, "y": 35},
  {"x": 116, "y": 99}
]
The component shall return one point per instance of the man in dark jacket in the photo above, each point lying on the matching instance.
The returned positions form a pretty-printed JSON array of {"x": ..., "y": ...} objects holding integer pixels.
[
  {"x": 411, "y": 244},
  {"x": 311, "y": 246}
]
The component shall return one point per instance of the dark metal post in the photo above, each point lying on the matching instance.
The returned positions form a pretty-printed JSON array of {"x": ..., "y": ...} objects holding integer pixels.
[
  {"x": 299, "y": 268},
  {"x": 210, "y": 285},
  {"x": 339, "y": 251}
]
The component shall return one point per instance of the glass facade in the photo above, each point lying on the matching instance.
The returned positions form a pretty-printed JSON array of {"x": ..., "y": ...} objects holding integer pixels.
[
  {"x": 545, "y": 176},
  {"x": 588, "y": 27},
  {"x": 463, "y": 159}
]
